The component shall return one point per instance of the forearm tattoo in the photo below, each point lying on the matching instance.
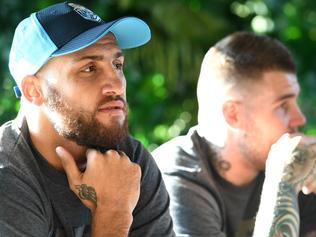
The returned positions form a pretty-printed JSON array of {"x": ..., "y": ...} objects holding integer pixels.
[
  {"x": 286, "y": 213},
  {"x": 86, "y": 192},
  {"x": 285, "y": 216},
  {"x": 301, "y": 167}
]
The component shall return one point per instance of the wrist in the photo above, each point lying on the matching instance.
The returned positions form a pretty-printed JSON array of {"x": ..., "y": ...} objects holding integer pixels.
[
  {"x": 108, "y": 223},
  {"x": 116, "y": 217}
]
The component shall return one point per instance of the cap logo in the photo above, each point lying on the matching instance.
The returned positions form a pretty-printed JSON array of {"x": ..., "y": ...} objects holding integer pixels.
[{"x": 85, "y": 13}]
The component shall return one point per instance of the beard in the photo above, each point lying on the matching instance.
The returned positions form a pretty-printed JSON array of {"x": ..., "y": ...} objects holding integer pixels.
[
  {"x": 253, "y": 149},
  {"x": 81, "y": 126}
]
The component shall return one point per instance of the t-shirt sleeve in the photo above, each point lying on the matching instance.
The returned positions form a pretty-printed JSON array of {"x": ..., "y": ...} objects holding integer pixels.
[
  {"x": 194, "y": 210},
  {"x": 307, "y": 205},
  {"x": 21, "y": 213},
  {"x": 151, "y": 215}
]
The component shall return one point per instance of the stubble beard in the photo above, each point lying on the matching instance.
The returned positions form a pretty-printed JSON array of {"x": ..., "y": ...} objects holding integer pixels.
[
  {"x": 82, "y": 127},
  {"x": 252, "y": 153}
]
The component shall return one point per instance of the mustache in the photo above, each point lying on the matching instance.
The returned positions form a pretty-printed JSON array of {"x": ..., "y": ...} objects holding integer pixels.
[{"x": 110, "y": 98}]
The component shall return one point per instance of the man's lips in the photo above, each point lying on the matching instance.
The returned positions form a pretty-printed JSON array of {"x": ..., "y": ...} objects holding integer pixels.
[{"x": 112, "y": 106}]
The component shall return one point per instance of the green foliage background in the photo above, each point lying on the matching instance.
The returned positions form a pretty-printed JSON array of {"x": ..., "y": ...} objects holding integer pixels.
[{"x": 162, "y": 74}]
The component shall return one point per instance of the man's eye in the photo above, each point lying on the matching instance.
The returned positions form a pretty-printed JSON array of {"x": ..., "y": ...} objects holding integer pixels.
[
  {"x": 118, "y": 66},
  {"x": 90, "y": 68},
  {"x": 284, "y": 106}
]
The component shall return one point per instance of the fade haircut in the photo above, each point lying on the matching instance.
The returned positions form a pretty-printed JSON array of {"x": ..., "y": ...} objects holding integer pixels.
[
  {"x": 233, "y": 64},
  {"x": 249, "y": 55}
]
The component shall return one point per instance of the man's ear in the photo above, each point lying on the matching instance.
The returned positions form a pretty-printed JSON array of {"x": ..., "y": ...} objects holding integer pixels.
[
  {"x": 31, "y": 90},
  {"x": 231, "y": 112}
]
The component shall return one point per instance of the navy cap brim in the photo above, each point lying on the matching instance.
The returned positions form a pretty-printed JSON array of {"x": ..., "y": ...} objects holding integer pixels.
[{"x": 130, "y": 32}]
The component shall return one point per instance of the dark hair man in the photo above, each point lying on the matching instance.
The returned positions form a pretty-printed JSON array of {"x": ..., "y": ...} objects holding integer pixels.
[
  {"x": 247, "y": 95},
  {"x": 71, "y": 131}
]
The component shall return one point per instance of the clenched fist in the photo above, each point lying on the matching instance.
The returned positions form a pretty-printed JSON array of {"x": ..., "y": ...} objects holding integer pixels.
[
  {"x": 293, "y": 159},
  {"x": 109, "y": 187}
]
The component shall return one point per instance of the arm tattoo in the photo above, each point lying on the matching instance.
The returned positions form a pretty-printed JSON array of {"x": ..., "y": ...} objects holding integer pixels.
[
  {"x": 286, "y": 213},
  {"x": 285, "y": 216},
  {"x": 86, "y": 192},
  {"x": 302, "y": 166}
]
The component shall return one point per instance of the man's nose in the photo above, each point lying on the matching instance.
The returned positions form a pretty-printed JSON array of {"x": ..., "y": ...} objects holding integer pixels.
[
  {"x": 113, "y": 83},
  {"x": 298, "y": 118}
]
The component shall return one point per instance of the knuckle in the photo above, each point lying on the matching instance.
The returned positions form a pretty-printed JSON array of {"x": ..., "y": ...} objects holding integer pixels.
[
  {"x": 121, "y": 153},
  {"x": 111, "y": 153},
  {"x": 137, "y": 168},
  {"x": 126, "y": 159},
  {"x": 92, "y": 153}
]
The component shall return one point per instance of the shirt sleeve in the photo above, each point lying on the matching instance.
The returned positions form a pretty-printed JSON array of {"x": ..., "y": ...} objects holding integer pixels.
[
  {"x": 151, "y": 215},
  {"x": 193, "y": 208},
  {"x": 307, "y": 205},
  {"x": 21, "y": 213}
]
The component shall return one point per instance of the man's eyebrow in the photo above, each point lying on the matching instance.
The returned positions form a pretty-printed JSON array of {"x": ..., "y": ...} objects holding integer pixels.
[
  {"x": 97, "y": 57},
  {"x": 286, "y": 96}
]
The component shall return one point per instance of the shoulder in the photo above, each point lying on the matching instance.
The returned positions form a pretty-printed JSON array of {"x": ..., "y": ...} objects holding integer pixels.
[
  {"x": 190, "y": 182},
  {"x": 22, "y": 192},
  {"x": 9, "y": 137},
  {"x": 14, "y": 148},
  {"x": 141, "y": 156},
  {"x": 23, "y": 204},
  {"x": 179, "y": 155},
  {"x": 135, "y": 150},
  {"x": 186, "y": 169},
  {"x": 17, "y": 161}
]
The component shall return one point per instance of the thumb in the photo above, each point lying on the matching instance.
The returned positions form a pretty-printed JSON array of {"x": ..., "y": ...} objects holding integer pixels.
[
  {"x": 284, "y": 147},
  {"x": 69, "y": 165}
]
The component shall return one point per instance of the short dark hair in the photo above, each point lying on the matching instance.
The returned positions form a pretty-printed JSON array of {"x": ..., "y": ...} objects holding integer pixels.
[
  {"x": 234, "y": 63},
  {"x": 249, "y": 55}
]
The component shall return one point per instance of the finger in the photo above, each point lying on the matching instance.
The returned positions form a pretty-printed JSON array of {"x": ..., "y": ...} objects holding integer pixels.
[
  {"x": 92, "y": 157},
  {"x": 306, "y": 190},
  {"x": 297, "y": 134},
  {"x": 139, "y": 170},
  {"x": 121, "y": 153},
  {"x": 295, "y": 138},
  {"x": 290, "y": 143},
  {"x": 284, "y": 147},
  {"x": 91, "y": 153},
  {"x": 113, "y": 154},
  {"x": 69, "y": 165},
  {"x": 309, "y": 185},
  {"x": 309, "y": 140},
  {"x": 283, "y": 142},
  {"x": 295, "y": 141}
]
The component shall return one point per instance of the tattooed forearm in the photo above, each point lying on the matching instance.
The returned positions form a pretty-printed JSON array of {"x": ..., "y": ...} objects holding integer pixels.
[
  {"x": 278, "y": 214},
  {"x": 302, "y": 166},
  {"x": 286, "y": 212},
  {"x": 86, "y": 192}
]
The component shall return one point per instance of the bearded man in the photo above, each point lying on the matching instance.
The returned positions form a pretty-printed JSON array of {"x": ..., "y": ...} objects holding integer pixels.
[{"x": 68, "y": 166}]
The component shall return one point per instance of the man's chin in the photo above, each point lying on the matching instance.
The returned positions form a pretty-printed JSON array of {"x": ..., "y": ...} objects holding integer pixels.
[{"x": 113, "y": 121}]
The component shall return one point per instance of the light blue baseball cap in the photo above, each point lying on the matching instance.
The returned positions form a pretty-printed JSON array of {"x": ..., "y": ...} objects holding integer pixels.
[{"x": 64, "y": 28}]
